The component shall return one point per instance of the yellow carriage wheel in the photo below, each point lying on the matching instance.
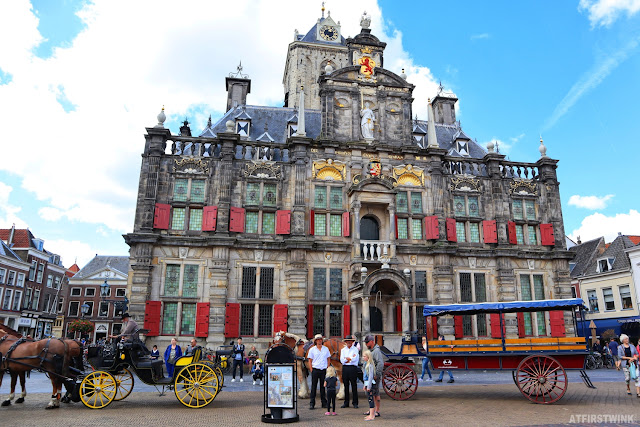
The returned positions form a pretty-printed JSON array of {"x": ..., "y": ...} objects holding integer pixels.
[
  {"x": 98, "y": 389},
  {"x": 125, "y": 382},
  {"x": 196, "y": 385},
  {"x": 220, "y": 376}
]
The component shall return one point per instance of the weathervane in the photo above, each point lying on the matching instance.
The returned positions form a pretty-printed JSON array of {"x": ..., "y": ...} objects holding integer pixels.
[{"x": 238, "y": 73}]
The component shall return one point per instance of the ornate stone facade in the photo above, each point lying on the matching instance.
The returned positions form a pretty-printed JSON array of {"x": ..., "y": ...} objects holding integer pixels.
[{"x": 250, "y": 228}]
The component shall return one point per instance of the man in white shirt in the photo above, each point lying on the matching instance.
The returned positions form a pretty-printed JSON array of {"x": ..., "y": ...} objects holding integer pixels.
[
  {"x": 319, "y": 359},
  {"x": 349, "y": 357}
]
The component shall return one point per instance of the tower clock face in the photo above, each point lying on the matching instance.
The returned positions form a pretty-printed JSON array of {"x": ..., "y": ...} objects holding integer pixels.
[{"x": 328, "y": 33}]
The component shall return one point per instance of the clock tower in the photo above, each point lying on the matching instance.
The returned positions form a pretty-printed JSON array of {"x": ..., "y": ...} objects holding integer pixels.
[{"x": 322, "y": 49}]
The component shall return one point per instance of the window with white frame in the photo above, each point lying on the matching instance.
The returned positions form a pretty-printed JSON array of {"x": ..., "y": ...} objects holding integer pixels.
[
  {"x": 592, "y": 296},
  {"x": 90, "y": 292},
  {"x": 17, "y": 299},
  {"x": 40, "y": 272},
  {"x": 49, "y": 281},
  {"x": 90, "y": 310},
  {"x": 3, "y": 275},
  {"x": 6, "y": 299},
  {"x": 409, "y": 215},
  {"x": 103, "y": 310},
  {"x": 76, "y": 292},
  {"x": 609, "y": 304},
  {"x": 60, "y": 305},
  {"x": 625, "y": 297},
  {"x": 532, "y": 288},
  {"x": 605, "y": 264},
  {"x": 35, "y": 301},
  {"x": 121, "y": 292},
  {"x": 56, "y": 282},
  {"x": 473, "y": 288},
  {"x": 20, "y": 281},
  {"x": 11, "y": 278},
  {"x": 181, "y": 280},
  {"x": 73, "y": 308},
  {"x": 32, "y": 270},
  {"x": 27, "y": 298}
]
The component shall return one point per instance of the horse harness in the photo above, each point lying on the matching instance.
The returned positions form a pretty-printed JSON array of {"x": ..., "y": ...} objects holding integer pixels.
[{"x": 56, "y": 360}]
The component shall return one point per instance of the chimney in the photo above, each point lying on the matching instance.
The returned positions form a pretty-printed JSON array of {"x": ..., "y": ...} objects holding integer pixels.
[
  {"x": 238, "y": 86},
  {"x": 11, "y": 233}
]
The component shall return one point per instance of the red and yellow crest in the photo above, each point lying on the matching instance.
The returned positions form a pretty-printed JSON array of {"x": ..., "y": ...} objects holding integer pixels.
[
  {"x": 367, "y": 64},
  {"x": 375, "y": 168}
]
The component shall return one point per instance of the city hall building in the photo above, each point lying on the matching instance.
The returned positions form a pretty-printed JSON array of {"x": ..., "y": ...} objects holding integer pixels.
[{"x": 339, "y": 212}]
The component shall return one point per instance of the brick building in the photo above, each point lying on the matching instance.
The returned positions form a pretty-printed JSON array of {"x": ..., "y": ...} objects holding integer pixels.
[
  {"x": 44, "y": 291},
  {"x": 85, "y": 288},
  {"x": 339, "y": 212},
  {"x": 13, "y": 275}
]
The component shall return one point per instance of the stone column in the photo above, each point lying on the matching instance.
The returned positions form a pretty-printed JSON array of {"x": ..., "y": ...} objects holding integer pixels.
[
  {"x": 392, "y": 229},
  {"x": 405, "y": 314},
  {"x": 218, "y": 277},
  {"x": 256, "y": 318},
  {"x": 366, "y": 319},
  {"x": 354, "y": 317},
  {"x": 414, "y": 320},
  {"x": 389, "y": 324},
  {"x": 356, "y": 227},
  {"x": 296, "y": 273}
]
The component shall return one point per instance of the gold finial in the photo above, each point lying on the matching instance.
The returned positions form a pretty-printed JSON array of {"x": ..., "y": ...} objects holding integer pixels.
[
  {"x": 163, "y": 108},
  {"x": 323, "y": 9},
  {"x": 429, "y": 100}
]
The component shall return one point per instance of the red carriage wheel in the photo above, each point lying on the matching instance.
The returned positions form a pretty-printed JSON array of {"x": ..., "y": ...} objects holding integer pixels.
[
  {"x": 399, "y": 381},
  {"x": 541, "y": 379}
]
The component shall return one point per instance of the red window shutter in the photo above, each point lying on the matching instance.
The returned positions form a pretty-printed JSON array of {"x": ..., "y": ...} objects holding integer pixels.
[
  {"x": 232, "y": 320},
  {"x": 346, "y": 224},
  {"x": 346, "y": 320},
  {"x": 490, "y": 231},
  {"x": 202, "y": 319},
  {"x": 556, "y": 320},
  {"x": 209, "y": 218},
  {"x": 511, "y": 229},
  {"x": 236, "y": 220},
  {"x": 152, "y": 313},
  {"x": 452, "y": 236},
  {"x": 434, "y": 325},
  {"x": 495, "y": 325},
  {"x": 310, "y": 321},
  {"x": 399, "y": 318},
  {"x": 457, "y": 323},
  {"x": 396, "y": 218},
  {"x": 312, "y": 218},
  {"x": 280, "y": 318},
  {"x": 546, "y": 235},
  {"x": 521, "y": 332},
  {"x": 283, "y": 222},
  {"x": 431, "y": 231},
  {"x": 161, "y": 217}
]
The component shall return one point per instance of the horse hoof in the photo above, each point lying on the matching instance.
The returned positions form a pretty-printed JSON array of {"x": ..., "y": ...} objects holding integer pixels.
[
  {"x": 6, "y": 403},
  {"x": 20, "y": 400},
  {"x": 51, "y": 407}
]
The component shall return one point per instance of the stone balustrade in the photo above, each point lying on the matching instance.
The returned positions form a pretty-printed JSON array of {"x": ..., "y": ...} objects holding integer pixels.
[{"x": 375, "y": 250}]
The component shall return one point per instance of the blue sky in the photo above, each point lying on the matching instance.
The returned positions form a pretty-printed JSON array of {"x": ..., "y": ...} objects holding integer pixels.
[{"x": 81, "y": 80}]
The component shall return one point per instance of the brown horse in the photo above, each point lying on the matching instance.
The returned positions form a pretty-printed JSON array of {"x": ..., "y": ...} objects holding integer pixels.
[
  {"x": 301, "y": 347},
  {"x": 52, "y": 355}
]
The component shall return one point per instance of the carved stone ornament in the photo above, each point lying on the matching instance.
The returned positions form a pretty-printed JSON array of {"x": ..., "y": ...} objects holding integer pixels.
[
  {"x": 328, "y": 257},
  {"x": 472, "y": 262},
  {"x": 465, "y": 183},
  {"x": 413, "y": 260},
  {"x": 531, "y": 263},
  {"x": 183, "y": 252},
  {"x": 258, "y": 255},
  {"x": 408, "y": 175},
  {"x": 523, "y": 186},
  {"x": 330, "y": 170},
  {"x": 193, "y": 166},
  {"x": 263, "y": 169}
]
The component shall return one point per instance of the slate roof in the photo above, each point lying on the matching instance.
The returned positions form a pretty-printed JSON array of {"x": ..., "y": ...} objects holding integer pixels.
[
  {"x": 6, "y": 252},
  {"x": 276, "y": 118},
  {"x": 119, "y": 263},
  {"x": 447, "y": 134},
  {"x": 615, "y": 250},
  {"x": 585, "y": 254},
  {"x": 310, "y": 37}
]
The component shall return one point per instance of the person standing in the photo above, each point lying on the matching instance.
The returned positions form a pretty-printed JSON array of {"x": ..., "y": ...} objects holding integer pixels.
[
  {"x": 628, "y": 357},
  {"x": 376, "y": 355},
  {"x": 439, "y": 380},
  {"x": 368, "y": 374},
  {"x": 331, "y": 384},
  {"x": 319, "y": 359},
  {"x": 613, "y": 347},
  {"x": 171, "y": 354},
  {"x": 238, "y": 359},
  {"x": 349, "y": 357},
  {"x": 425, "y": 362}
]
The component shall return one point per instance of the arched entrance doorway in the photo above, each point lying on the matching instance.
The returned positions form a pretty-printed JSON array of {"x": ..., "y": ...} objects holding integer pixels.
[{"x": 375, "y": 315}]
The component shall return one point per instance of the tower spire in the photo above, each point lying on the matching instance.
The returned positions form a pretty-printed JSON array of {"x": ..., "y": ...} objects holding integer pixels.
[
  {"x": 301, "y": 131},
  {"x": 323, "y": 10}
]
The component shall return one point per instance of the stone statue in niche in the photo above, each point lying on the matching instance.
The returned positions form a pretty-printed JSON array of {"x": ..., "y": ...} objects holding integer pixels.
[{"x": 368, "y": 119}]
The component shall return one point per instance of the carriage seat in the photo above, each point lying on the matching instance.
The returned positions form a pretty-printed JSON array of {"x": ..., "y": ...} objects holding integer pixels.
[
  {"x": 188, "y": 360},
  {"x": 148, "y": 363}
]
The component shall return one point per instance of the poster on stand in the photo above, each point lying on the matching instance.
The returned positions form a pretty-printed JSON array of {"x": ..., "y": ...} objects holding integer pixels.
[{"x": 280, "y": 387}]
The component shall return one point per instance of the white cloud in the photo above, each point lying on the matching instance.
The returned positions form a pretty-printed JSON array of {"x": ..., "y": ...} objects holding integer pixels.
[
  {"x": 597, "y": 225},
  {"x": 590, "y": 80},
  {"x": 9, "y": 212},
  {"x": 480, "y": 36},
  {"x": 605, "y": 12},
  {"x": 502, "y": 146},
  {"x": 590, "y": 202},
  {"x": 118, "y": 72},
  {"x": 71, "y": 250}
]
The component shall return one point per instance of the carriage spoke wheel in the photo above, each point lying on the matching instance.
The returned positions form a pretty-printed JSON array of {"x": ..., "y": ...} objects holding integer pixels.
[
  {"x": 196, "y": 385},
  {"x": 98, "y": 389},
  {"x": 125, "y": 382},
  {"x": 220, "y": 375},
  {"x": 399, "y": 381},
  {"x": 541, "y": 379}
]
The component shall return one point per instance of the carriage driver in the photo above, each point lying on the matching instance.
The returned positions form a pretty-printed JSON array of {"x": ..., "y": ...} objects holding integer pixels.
[{"x": 129, "y": 329}]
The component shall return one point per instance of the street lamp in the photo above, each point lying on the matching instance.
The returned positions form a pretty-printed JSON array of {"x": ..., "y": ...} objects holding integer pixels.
[
  {"x": 105, "y": 291},
  {"x": 84, "y": 308}
]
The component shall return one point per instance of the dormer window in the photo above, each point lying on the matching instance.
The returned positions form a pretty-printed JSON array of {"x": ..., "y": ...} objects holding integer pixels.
[
  {"x": 463, "y": 147},
  {"x": 292, "y": 129},
  {"x": 243, "y": 127},
  {"x": 605, "y": 264}
]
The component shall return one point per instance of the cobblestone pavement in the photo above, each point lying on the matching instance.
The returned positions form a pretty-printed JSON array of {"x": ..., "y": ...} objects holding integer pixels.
[{"x": 444, "y": 405}]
